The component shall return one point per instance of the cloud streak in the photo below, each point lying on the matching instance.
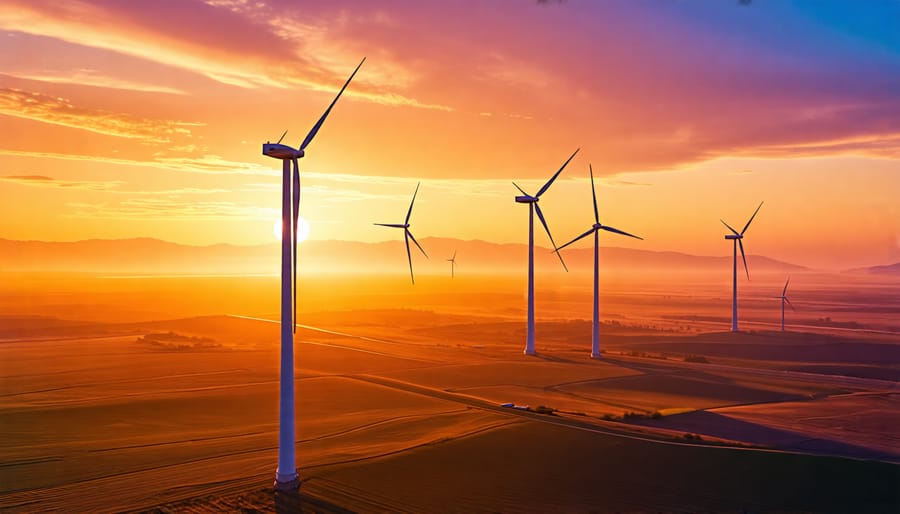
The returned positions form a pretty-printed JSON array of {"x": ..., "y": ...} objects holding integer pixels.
[
  {"x": 89, "y": 77},
  {"x": 107, "y": 186},
  {"x": 204, "y": 164},
  {"x": 44, "y": 181},
  {"x": 169, "y": 209},
  {"x": 242, "y": 44},
  {"x": 59, "y": 111}
]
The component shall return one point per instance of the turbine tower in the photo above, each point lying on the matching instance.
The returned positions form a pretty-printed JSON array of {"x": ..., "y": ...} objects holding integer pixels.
[
  {"x": 595, "y": 229},
  {"x": 532, "y": 202},
  {"x": 784, "y": 299},
  {"x": 452, "y": 261},
  {"x": 407, "y": 235},
  {"x": 286, "y": 478},
  {"x": 737, "y": 240}
]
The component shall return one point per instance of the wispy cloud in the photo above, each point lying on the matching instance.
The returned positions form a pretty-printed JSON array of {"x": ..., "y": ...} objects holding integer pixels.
[
  {"x": 169, "y": 209},
  {"x": 247, "y": 45},
  {"x": 44, "y": 181},
  {"x": 118, "y": 187},
  {"x": 626, "y": 183},
  {"x": 60, "y": 111},
  {"x": 89, "y": 77},
  {"x": 204, "y": 164}
]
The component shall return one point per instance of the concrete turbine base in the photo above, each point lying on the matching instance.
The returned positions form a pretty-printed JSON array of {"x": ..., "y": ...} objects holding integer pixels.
[
  {"x": 528, "y": 352},
  {"x": 596, "y": 356},
  {"x": 287, "y": 483}
]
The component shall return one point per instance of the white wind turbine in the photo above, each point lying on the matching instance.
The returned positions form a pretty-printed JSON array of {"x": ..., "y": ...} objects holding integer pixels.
[
  {"x": 286, "y": 477},
  {"x": 595, "y": 229},
  {"x": 737, "y": 239},
  {"x": 784, "y": 299},
  {"x": 452, "y": 261},
  {"x": 407, "y": 235},
  {"x": 532, "y": 202}
]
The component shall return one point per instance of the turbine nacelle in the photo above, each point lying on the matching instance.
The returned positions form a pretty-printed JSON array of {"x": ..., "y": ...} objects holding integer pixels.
[
  {"x": 280, "y": 151},
  {"x": 733, "y": 236},
  {"x": 526, "y": 199}
]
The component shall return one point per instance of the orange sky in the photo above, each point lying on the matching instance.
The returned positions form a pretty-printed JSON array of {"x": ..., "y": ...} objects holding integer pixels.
[{"x": 133, "y": 119}]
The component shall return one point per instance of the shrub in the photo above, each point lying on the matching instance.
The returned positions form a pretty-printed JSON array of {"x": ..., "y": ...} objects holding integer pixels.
[{"x": 696, "y": 358}]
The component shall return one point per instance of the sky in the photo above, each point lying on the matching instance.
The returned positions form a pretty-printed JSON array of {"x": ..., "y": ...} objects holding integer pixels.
[{"x": 146, "y": 119}]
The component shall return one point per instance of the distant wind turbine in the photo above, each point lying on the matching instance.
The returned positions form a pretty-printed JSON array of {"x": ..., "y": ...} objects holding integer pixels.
[
  {"x": 737, "y": 239},
  {"x": 452, "y": 261},
  {"x": 595, "y": 229},
  {"x": 407, "y": 235},
  {"x": 784, "y": 299},
  {"x": 533, "y": 206},
  {"x": 286, "y": 477}
]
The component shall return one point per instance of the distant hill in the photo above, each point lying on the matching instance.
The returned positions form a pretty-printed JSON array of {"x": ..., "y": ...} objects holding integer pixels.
[
  {"x": 887, "y": 269},
  {"x": 153, "y": 256}
]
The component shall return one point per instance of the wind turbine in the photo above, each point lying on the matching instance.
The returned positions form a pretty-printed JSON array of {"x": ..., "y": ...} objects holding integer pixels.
[
  {"x": 452, "y": 261},
  {"x": 737, "y": 240},
  {"x": 784, "y": 299},
  {"x": 407, "y": 235},
  {"x": 532, "y": 202},
  {"x": 286, "y": 478},
  {"x": 595, "y": 229}
]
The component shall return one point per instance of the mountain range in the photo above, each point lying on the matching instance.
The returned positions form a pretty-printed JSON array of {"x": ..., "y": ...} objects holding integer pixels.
[{"x": 154, "y": 256}]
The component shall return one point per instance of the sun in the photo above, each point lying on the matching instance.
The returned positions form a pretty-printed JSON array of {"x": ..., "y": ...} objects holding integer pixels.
[{"x": 302, "y": 229}]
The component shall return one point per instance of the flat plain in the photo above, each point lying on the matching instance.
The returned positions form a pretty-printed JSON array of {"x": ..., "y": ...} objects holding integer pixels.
[{"x": 143, "y": 393}]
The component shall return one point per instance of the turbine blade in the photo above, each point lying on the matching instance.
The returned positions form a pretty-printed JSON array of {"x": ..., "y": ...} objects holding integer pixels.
[
  {"x": 315, "y": 129},
  {"x": 417, "y": 244},
  {"x": 544, "y": 222},
  {"x": 751, "y": 219},
  {"x": 789, "y": 303},
  {"x": 520, "y": 189},
  {"x": 409, "y": 256},
  {"x": 454, "y": 255},
  {"x": 295, "y": 205},
  {"x": 729, "y": 227},
  {"x": 617, "y": 231},
  {"x": 785, "y": 286},
  {"x": 392, "y": 225},
  {"x": 282, "y": 137},
  {"x": 589, "y": 232},
  {"x": 409, "y": 212},
  {"x": 741, "y": 244},
  {"x": 594, "y": 194},
  {"x": 547, "y": 185}
]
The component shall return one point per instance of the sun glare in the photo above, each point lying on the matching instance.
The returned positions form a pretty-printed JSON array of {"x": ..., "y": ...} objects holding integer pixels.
[{"x": 302, "y": 229}]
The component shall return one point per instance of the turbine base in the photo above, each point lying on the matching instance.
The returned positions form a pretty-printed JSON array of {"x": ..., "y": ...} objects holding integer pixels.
[
  {"x": 528, "y": 351},
  {"x": 287, "y": 483},
  {"x": 596, "y": 355}
]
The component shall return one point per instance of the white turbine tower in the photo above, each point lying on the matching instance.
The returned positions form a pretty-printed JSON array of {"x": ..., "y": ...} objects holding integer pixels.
[
  {"x": 532, "y": 202},
  {"x": 784, "y": 299},
  {"x": 452, "y": 261},
  {"x": 595, "y": 229},
  {"x": 737, "y": 240},
  {"x": 286, "y": 478},
  {"x": 407, "y": 235}
]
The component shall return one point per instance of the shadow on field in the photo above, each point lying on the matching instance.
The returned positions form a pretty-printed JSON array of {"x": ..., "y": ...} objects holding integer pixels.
[{"x": 726, "y": 427}]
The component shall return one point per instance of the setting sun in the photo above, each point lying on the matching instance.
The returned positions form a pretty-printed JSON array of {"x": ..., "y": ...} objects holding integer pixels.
[{"x": 302, "y": 229}]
